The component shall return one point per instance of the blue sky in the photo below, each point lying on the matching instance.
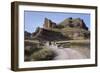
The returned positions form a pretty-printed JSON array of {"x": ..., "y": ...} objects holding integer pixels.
[{"x": 34, "y": 19}]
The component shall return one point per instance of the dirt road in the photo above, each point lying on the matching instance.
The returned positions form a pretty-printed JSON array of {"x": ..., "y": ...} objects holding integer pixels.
[{"x": 67, "y": 53}]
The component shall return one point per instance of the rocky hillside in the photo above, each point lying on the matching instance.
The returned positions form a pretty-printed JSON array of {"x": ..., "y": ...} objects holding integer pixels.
[
  {"x": 27, "y": 35},
  {"x": 43, "y": 34},
  {"x": 68, "y": 22},
  {"x": 67, "y": 29},
  {"x": 77, "y": 22}
]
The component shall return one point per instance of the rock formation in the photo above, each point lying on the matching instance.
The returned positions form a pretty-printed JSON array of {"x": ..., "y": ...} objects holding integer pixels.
[
  {"x": 49, "y": 24},
  {"x": 43, "y": 34},
  {"x": 71, "y": 22},
  {"x": 69, "y": 28}
]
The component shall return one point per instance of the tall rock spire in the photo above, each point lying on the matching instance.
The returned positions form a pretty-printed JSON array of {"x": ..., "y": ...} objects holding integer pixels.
[{"x": 48, "y": 24}]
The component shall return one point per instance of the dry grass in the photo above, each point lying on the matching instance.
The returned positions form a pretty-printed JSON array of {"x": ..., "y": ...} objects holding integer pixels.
[{"x": 44, "y": 54}]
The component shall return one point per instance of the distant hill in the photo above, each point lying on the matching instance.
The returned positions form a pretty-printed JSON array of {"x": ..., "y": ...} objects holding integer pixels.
[{"x": 27, "y": 35}]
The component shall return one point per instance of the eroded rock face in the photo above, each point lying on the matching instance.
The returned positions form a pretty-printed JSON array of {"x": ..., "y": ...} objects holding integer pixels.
[
  {"x": 77, "y": 22},
  {"x": 48, "y": 35},
  {"x": 49, "y": 24},
  {"x": 70, "y": 28},
  {"x": 71, "y": 22}
]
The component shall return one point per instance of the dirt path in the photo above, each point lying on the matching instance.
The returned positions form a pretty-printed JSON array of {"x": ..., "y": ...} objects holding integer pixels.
[{"x": 67, "y": 53}]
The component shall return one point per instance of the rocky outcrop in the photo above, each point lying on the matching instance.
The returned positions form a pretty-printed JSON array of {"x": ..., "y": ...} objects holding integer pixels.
[
  {"x": 49, "y": 24},
  {"x": 71, "y": 22},
  {"x": 43, "y": 34},
  {"x": 69, "y": 28}
]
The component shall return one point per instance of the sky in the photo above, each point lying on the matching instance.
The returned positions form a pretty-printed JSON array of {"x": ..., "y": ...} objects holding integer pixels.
[{"x": 34, "y": 19}]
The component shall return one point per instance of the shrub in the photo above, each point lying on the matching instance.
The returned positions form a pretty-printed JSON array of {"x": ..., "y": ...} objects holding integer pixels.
[
  {"x": 30, "y": 49},
  {"x": 43, "y": 54}
]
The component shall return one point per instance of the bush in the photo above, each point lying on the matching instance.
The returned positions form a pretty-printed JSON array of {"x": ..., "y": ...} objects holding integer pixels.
[
  {"x": 30, "y": 49},
  {"x": 60, "y": 26},
  {"x": 43, "y": 54}
]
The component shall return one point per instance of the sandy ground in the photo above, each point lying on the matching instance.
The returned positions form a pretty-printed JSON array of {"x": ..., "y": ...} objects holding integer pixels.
[{"x": 70, "y": 53}]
